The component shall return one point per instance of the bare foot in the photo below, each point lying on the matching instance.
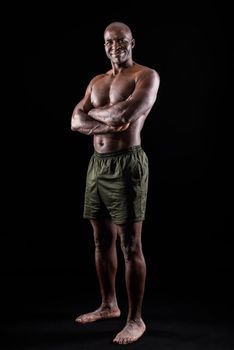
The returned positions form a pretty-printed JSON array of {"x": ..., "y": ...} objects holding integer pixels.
[
  {"x": 131, "y": 332},
  {"x": 98, "y": 314}
]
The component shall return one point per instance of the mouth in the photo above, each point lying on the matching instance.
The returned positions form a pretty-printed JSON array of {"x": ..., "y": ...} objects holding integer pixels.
[{"x": 117, "y": 54}]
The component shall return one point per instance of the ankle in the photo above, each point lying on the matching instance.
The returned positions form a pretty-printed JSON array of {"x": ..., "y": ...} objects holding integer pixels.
[
  {"x": 137, "y": 320},
  {"x": 109, "y": 305}
]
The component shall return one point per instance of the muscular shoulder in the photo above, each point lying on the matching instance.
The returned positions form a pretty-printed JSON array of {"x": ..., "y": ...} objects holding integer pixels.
[
  {"x": 146, "y": 71},
  {"x": 96, "y": 78},
  {"x": 146, "y": 74}
]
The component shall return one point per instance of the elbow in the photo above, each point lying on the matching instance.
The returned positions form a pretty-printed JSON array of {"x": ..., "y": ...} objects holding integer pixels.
[{"x": 74, "y": 125}]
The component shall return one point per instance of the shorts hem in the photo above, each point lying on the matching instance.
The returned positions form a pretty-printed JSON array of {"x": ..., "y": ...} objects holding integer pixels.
[
  {"x": 122, "y": 222},
  {"x": 115, "y": 221}
]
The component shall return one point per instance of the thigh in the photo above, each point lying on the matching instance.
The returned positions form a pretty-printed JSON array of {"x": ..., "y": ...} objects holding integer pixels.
[
  {"x": 130, "y": 232},
  {"x": 104, "y": 230}
]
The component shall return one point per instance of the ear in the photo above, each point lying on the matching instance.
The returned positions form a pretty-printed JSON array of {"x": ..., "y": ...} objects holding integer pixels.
[{"x": 133, "y": 43}]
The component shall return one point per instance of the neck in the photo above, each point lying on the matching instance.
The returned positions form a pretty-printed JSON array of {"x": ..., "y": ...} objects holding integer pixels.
[{"x": 118, "y": 68}]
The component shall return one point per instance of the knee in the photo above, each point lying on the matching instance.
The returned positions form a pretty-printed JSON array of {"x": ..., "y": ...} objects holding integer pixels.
[
  {"x": 102, "y": 244},
  {"x": 97, "y": 242},
  {"x": 130, "y": 249}
]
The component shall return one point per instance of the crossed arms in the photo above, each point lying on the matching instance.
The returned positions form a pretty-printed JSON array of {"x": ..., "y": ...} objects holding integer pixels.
[{"x": 116, "y": 117}]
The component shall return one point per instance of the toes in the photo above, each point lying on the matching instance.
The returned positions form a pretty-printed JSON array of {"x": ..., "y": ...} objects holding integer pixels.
[
  {"x": 123, "y": 340},
  {"x": 84, "y": 319}
]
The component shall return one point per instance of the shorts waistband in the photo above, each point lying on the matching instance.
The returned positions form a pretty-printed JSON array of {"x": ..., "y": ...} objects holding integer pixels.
[{"x": 132, "y": 149}]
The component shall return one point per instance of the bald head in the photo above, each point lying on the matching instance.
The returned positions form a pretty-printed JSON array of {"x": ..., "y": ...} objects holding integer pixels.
[{"x": 119, "y": 26}]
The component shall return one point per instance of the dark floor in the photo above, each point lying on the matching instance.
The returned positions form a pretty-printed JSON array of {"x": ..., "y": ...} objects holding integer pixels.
[{"x": 40, "y": 313}]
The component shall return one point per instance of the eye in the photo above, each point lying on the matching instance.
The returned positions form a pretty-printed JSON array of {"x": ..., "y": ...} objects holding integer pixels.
[
  {"x": 108, "y": 43},
  {"x": 123, "y": 42}
]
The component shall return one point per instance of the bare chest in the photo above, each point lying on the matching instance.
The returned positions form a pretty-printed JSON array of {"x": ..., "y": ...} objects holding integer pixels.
[{"x": 109, "y": 90}]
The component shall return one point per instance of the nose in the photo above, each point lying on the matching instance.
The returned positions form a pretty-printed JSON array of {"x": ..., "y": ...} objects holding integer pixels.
[{"x": 116, "y": 44}]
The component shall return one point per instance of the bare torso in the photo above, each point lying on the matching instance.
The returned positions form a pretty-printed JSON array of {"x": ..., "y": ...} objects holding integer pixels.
[{"x": 108, "y": 90}]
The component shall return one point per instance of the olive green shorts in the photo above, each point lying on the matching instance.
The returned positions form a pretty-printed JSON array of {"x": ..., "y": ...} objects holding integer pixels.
[{"x": 116, "y": 186}]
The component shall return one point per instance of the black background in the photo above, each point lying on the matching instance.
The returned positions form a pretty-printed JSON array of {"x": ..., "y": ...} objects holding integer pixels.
[{"x": 187, "y": 235}]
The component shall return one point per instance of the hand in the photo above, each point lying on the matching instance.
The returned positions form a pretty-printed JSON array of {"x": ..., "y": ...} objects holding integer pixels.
[{"x": 122, "y": 127}]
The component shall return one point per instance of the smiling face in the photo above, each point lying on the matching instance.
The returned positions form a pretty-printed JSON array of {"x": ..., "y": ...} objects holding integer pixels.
[{"x": 118, "y": 43}]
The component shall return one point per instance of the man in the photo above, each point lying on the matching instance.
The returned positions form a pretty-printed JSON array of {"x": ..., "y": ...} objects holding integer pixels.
[{"x": 113, "y": 111}]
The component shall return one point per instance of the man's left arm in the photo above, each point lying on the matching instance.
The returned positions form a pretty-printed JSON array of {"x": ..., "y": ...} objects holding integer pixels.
[{"x": 138, "y": 104}]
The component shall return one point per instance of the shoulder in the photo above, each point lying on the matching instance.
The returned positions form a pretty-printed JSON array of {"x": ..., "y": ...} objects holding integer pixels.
[
  {"x": 96, "y": 78},
  {"x": 147, "y": 74},
  {"x": 144, "y": 70}
]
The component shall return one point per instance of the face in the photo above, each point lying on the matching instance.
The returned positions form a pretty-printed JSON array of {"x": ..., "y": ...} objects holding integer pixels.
[{"x": 118, "y": 44}]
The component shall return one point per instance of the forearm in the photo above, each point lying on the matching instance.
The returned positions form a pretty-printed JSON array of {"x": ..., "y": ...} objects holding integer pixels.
[
  {"x": 84, "y": 124},
  {"x": 110, "y": 115},
  {"x": 96, "y": 129}
]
